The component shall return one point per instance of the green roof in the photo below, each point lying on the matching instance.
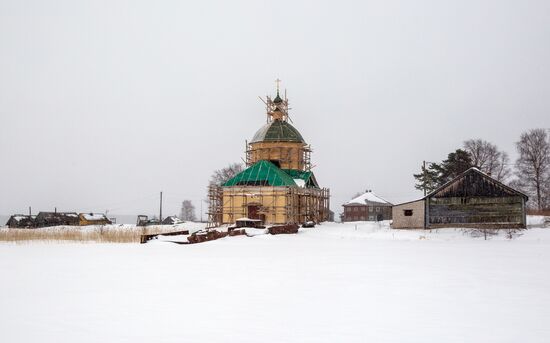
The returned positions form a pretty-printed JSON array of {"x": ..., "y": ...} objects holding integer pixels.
[
  {"x": 307, "y": 176},
  {"x": 277, "y": 131},
  {"x": 262, "y": 173}
]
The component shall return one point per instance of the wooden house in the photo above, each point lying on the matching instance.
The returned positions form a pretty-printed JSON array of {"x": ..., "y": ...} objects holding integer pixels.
[
  {"x": 44, "y": 219},
  {"x": 471, "y": 200},
  {"x": 367, "y": 207},
  {"x": 278, "y": 186},
  {"x": 93, "y": 219},
  {"x": 21, "y": 221}
]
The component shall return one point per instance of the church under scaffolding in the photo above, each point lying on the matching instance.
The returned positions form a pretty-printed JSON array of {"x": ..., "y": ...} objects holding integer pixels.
[{"x": 278, "y": 186}]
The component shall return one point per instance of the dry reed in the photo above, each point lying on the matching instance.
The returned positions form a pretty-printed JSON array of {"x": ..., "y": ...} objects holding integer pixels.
[{"x": 95, "y": 234}]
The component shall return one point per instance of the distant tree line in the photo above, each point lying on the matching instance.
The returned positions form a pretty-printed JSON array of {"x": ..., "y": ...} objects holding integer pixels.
[{"x": 530, "y": 174}]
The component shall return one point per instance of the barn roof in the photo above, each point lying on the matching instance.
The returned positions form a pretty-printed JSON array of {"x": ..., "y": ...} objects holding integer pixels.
[
  {"x": 470, "y": 192},
  {"x": 486, "y": 184},
  {"x": 277, "y": 131}
]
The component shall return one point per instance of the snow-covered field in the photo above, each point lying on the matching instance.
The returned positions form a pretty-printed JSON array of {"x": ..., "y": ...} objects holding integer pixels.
[{"x": 332, "y": 283}]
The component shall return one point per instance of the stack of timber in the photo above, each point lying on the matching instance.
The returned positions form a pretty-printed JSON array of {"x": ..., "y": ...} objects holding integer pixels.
[
  {"x": 205, "y": 236},
  {"x": 283, "y": 229}
]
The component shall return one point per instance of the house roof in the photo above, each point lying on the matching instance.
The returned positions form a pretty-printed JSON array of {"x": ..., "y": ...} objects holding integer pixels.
[
  {"x": 58, "y": 214},
  {"x": 277, "y": 131},
  {"x": 366, "y": 198},
  {"x": 262, "y": 173}
]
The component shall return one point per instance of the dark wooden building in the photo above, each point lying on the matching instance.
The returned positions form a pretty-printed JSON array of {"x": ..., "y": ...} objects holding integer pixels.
[
  {"x": 472, "y": 199},
  {"x": 44, "y": 219},
  {"x": 367, "y": 207},
  {"x": 21, "y": 221}
]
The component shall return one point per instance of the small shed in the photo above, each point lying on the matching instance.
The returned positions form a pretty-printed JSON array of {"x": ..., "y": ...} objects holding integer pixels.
[
  {"x": 367, "y": 207},
  {"x": 44, "y": 219},
  {"x": 21, "y": 221},
  {"x": 471, "y": 200},
  {"x": 93, "y": 219}
]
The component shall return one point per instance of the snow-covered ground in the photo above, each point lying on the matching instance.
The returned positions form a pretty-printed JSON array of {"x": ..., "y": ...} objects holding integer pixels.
[{"x": 333, "y": 283}]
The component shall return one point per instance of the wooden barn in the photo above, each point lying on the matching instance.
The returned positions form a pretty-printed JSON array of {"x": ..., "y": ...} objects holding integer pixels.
[
  {"x": 367, "y": 207},
  {"x": 471, "y": 200},
  {"x": 93, "y": 219},
  {"x": 21, "y": 221},
  {"x": 44, "y": 219},
  {"x": 278, "y": 186}
]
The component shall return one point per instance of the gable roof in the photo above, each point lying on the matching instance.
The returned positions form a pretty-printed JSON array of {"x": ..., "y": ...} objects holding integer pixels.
[
  {"x": 366, "y": 198},
  {"x": 261, "y": 173},
  {"x": 480, "y": 184},
  {"x": 307, "y": 177}
]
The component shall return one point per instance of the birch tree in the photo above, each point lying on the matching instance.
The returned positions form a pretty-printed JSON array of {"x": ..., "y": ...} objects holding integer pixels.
[
  {"x": 488, "y": 158},
  {"x": 533, "y": 166}
]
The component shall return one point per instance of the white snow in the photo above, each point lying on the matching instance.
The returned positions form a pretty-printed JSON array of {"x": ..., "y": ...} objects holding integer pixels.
[
  {"x": 300, "y": 182},
  {"x": 254, "y": 232},
  {"x": 367, "y": 197},
  {"x": 352, "y": 282},
  {"x": 94, "y": 216}
]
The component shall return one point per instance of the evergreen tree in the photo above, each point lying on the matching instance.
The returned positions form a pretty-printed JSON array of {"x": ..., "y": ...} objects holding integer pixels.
[
  {"x": 428, "y": 178},
  {"x": 436, "y": 174},
  {"x": 456, "y": 163}
]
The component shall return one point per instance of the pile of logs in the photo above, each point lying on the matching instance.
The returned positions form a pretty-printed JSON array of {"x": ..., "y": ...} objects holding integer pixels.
[
  {"x": 283, "y": 229},
  {"x": 206, "y": 235},
  {"x": 212, "y": 234},
  {"x": 237, "y": 232}
]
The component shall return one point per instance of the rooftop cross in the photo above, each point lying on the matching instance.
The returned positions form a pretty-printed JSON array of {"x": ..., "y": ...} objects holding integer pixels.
[{"x": 277, "y": 83}]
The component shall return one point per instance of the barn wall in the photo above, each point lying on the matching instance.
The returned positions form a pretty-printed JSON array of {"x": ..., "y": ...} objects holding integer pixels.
[
  {"x": 481, "y": 211},
  {"x": 416, "y": 221}
]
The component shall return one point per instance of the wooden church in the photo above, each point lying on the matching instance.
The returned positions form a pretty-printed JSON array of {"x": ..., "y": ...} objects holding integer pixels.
[{"x": 278, "y": 186}]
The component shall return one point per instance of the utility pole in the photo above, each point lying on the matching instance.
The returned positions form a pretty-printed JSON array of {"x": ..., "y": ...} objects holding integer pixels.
[
  {"x": 30, "y": 212},
  {"x": 160, "y": 213},
  {"x": 424, "y": 170}
]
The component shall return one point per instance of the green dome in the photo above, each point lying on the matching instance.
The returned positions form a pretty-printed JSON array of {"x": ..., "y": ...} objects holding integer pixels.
[{"x": 277, "y": 131}]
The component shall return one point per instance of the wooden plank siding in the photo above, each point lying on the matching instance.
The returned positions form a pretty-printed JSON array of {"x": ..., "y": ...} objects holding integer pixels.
[{"x": 478, "y": 210}]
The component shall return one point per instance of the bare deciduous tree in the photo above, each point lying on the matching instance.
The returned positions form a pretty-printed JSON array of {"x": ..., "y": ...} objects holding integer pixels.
[
  {"x": 488, "y": 158},
  {"x": 187, "y": 211},
  {"x": 533, "y": 166},
  {"x": 220, "y": 176}
]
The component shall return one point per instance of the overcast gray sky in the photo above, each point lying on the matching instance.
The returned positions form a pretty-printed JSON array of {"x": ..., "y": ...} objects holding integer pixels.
[{"x": 105, "y": 103}]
